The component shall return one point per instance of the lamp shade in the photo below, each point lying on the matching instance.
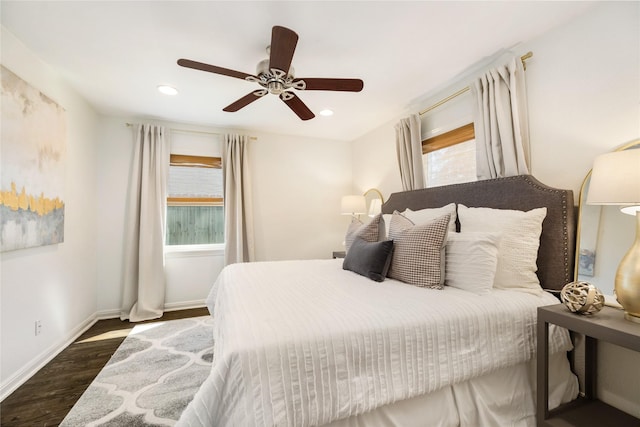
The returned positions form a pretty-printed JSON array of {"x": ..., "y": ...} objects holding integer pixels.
[
  {"x": 615, "y": 179},
  {"x": 353, "y": 205}
]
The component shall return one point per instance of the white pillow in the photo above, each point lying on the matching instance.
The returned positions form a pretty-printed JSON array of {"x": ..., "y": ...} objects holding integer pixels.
[
  {"x": 471, "y": 260},
  {"x": 385, "y": 223},
  {"x": 518, "y": 246},
  {"x": 423, "y": 216}
]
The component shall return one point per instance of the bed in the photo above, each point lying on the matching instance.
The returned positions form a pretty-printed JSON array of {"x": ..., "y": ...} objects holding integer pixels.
[{"x": 309, "y": 343}]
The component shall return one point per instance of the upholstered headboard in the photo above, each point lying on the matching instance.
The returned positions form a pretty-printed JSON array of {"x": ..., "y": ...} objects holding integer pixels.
[{"x": 522, "y": 192}]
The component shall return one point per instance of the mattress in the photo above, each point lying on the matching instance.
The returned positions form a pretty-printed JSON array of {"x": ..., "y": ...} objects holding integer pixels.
[{"x": 305, "y": 343}]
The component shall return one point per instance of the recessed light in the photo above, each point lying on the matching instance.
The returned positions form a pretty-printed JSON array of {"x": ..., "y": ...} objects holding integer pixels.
[
  {"x": 326, "y": 112},
  {"x": 167, "y": 90}
]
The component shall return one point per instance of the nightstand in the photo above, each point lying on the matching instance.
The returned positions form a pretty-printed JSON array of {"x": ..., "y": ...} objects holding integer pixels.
[
  {"x": 607, "y": 325},
  {"x": 339, "y": 254}
]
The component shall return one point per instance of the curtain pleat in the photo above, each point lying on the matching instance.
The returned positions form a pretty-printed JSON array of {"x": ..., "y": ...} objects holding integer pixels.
[
  {"x": 409, "y": 151},
  {"x": 501, "y": 121},
  {"x": 238, "y": 211},
  {"x": 143, "y": 293}
]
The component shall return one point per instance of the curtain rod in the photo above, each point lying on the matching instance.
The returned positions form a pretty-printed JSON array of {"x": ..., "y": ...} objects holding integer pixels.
[
  {"x": 195, "y": 131},
  {"x": 523, "y": 58}
]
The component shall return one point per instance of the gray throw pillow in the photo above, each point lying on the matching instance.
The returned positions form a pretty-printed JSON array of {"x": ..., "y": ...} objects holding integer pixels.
[{"x": 369, "y": 259}]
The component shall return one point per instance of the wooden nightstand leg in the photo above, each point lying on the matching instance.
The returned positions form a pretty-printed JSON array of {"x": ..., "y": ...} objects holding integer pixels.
[
  {"x": 590, "y": 367},
  {"x": 542, "y": 372}
]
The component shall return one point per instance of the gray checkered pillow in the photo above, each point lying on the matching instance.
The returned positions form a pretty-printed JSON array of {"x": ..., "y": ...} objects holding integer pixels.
[
  {"x": 368, "y": 232},
  {"x": 419, "y": 251}
]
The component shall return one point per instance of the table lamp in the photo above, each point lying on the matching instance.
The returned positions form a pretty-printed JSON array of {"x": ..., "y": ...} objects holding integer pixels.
[
  {"x": 353, "y": 205},
  {"x": 615, "y": 180}
]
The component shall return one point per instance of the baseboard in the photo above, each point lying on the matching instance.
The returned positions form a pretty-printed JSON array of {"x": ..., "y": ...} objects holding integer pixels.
[
  {"x": 172, "y": 306},
  {"x": 27, "y": 371},
  {"x": 185, "y": 305},
  {"x": 108, "y": 314},
  {"x": 20, "y": 377}
]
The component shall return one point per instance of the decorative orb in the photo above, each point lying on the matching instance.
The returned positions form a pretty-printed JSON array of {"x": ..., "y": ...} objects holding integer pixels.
[{"x": 582, "y": 297}]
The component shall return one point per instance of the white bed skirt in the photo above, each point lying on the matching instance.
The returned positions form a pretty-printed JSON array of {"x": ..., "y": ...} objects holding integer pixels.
[{"x": 505, "y": 398}]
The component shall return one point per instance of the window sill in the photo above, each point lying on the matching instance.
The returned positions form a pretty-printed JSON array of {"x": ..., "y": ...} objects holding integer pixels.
[{"x": 180, "y": 251}]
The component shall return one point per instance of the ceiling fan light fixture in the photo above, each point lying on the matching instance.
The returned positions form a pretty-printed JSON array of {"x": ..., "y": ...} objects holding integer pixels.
[
  {"x": 276, "y": 87},
  {"x": 167, "y": 90}
]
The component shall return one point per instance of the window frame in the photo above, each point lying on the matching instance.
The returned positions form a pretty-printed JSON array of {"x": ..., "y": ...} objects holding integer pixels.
[
  {"x": 456, "y": 136},
  {"x": 184, "y": 160},
  {"x": 448, "y": 139}
]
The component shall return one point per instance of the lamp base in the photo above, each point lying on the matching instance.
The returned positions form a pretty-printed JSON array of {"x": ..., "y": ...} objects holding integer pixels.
[
  {"x": 627, "y": 281},
  {"x": 631, "y": 318}
]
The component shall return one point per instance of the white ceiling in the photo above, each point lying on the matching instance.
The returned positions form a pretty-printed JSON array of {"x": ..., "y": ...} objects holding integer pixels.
[{"x": 115, "y": 53}]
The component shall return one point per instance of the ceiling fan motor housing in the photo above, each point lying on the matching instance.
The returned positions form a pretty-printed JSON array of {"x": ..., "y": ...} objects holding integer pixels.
[{"x": 276, "y": 81}]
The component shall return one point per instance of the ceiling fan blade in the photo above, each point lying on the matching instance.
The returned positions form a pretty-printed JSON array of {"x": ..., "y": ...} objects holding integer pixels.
[
  {"x": 296, "y": 105},
  {"x": 245, "y": 100},
  {"x": 213, "y": 69},
  {"x": 283, "y": 45},
  {"x": 345, "y": 85}
]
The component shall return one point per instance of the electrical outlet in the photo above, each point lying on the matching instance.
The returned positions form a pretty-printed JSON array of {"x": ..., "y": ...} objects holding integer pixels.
[{"x": 38, "y": 327}]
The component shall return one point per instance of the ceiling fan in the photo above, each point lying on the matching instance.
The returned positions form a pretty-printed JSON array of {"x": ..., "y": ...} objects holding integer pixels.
[{"x": 276, "y": 76}]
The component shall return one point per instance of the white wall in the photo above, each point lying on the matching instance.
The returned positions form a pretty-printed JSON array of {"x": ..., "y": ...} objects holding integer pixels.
[
  {"x": 297, "y": 185},
  {"x": 583, "y": 86},
  {"x": 54, "y": 284},
  {"x": 114, "y": 142},
  {"x": 188, "y": 275}
]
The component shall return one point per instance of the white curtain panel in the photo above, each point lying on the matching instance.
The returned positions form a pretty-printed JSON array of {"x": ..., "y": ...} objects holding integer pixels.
[
  {"x": 143, "y": 270},
  {"x": 409, "y": 150},
  {"x": 501, "y": 121},
  {"x": 238, "y": 211}
]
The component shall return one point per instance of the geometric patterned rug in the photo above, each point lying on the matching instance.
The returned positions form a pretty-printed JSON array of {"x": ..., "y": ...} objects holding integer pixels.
[{"x": 151, "y": 378}]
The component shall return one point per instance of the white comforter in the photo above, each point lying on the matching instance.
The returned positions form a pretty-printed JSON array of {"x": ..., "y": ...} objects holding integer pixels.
[{"x": 303, "y": 343}]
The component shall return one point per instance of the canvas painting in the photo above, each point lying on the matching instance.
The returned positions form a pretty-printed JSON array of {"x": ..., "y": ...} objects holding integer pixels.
[{"x": 33, "y": 149}]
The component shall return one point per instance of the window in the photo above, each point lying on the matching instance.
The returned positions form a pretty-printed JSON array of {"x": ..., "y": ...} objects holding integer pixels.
[
  {"x": 195, "y": 209},
  {"x": 450, "y": 158}
]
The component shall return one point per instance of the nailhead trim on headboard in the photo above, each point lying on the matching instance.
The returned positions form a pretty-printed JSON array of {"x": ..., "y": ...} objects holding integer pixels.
[{"x": 522, "y": 192}]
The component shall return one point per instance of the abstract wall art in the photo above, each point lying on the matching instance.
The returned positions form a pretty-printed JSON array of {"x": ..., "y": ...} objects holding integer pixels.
[{"x": 33, "y": 151}]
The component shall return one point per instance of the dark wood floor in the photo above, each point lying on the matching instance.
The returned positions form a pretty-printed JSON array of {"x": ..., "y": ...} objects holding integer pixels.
[{"x": 47, "y": 397}]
